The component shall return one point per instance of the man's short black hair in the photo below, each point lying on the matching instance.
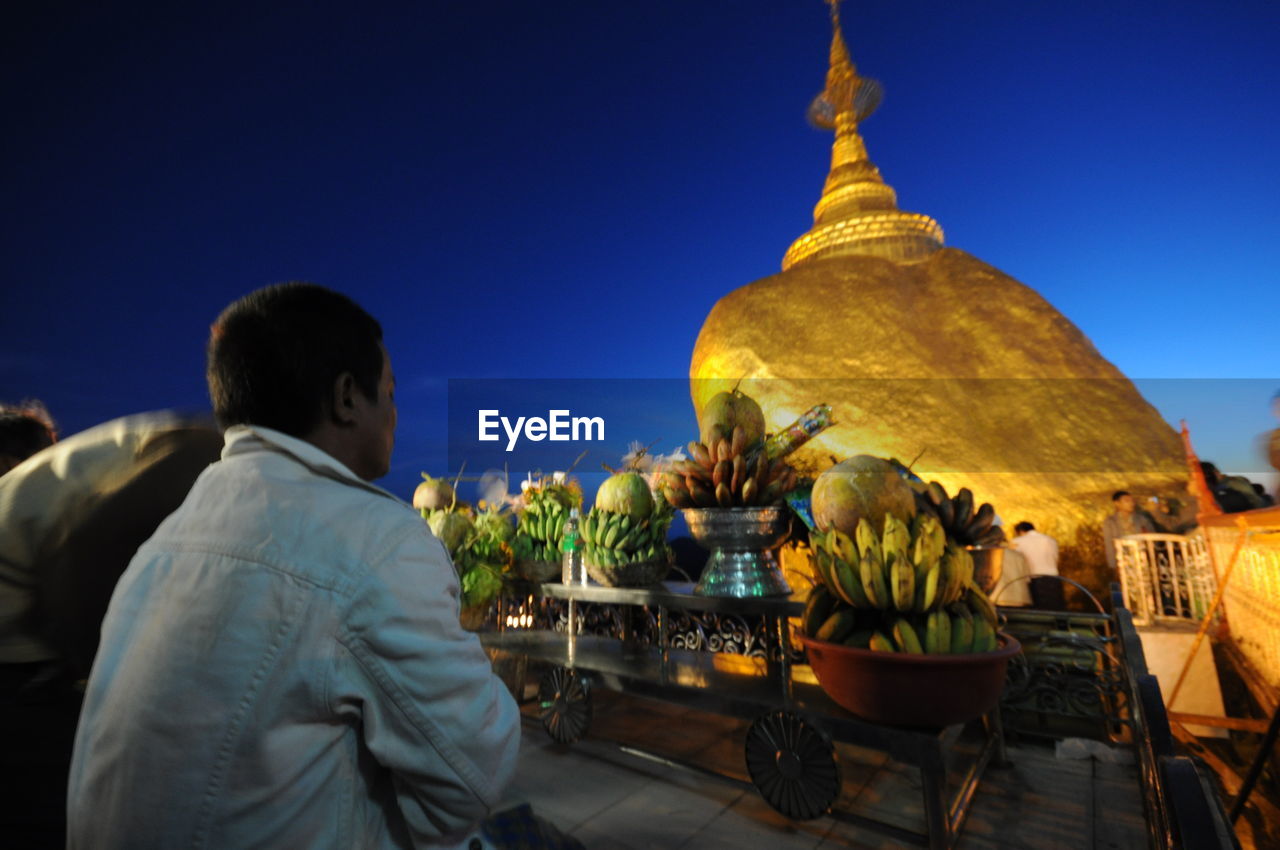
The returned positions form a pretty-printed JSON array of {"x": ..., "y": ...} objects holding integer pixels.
[
  {"x": 274, "y": 354},
  {"x": 1023, "y": 527},
  {"x": 1211, "y": 473},
  {"x": 1119, "y": 494},
  {"x": 24, "y": 430}
]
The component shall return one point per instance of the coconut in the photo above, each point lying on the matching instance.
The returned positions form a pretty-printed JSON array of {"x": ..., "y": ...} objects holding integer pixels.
[
  {"x": 625, "y": 493},
  {"x": 725, "y": 410},
  {"x": 451, "y": 527},
  {"x": 433, "y": 494},
  {"x": 862, "y": 486}
]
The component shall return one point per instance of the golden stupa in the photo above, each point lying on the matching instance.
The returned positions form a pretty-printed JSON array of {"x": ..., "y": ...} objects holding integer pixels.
[{"x": 926, "y": 353}]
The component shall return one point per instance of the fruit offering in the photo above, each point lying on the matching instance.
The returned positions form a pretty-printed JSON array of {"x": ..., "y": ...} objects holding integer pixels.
[
  {"x": 627, "y": 524},
  {"x": 960, "y": 520},
  {"x": 727, "y": 475},
  {"x": 541, "y": 525},
  {"x": 433, "y": 494},
  {"x": 902, "y": 588},
  {"x": 861, "y": 487},
  {"x": 478, "y": 544}
]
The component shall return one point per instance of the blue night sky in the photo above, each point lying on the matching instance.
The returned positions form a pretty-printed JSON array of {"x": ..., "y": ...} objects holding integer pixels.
[{"x": 564, "y": 189}]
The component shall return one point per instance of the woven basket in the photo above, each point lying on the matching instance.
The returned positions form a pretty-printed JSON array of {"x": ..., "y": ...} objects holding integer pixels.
[
  {"x": 635, "y": 574},
  {"x": 538, "y": 571}
]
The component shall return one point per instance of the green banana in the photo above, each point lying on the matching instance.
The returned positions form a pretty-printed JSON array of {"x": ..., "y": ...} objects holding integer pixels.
[
  {"x": 902, "y": 581},
  {"x": 842, "y": 547},
  {"x": 961, "y": 630},
  {"x": 837, "y": 627},
  {"x": 819, "y": 606},
  {"x": 874, "y": 583},
  {"x": 880, "y": 643},
  {"x": 978, "y": 601},
  {"x": 984, "y": 636},
  {"x": 937, "y": 636},
  {"x": 867, "y": 540},
  {"x": 859, "y": 638},
  {"x": 904, "y": 635},
  {"x": 823, "y": 565},
  {"x": 849, "y": 578},
  {"x": 615, "y": 529}
]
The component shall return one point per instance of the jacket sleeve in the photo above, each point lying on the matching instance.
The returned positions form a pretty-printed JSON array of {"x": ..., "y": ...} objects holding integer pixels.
[{"x": 429, "y": 708}]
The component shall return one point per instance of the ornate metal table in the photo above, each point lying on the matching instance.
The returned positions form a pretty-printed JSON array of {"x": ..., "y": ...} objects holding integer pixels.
[{"x": 789, "y": 751}]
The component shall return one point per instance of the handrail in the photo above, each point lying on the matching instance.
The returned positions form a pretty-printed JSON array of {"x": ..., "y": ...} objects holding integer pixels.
[{"x": 1182, "y": 811}]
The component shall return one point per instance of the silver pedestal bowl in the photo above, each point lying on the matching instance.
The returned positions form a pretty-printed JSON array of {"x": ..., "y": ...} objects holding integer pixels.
[{"x": 742, "y": 542}]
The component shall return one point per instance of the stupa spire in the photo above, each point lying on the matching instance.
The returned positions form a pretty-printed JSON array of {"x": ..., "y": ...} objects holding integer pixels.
[{"x": 858, "y": 212}]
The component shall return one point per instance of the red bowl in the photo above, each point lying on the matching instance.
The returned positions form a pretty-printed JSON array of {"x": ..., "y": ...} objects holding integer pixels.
[{"x": 899, "y": 689}]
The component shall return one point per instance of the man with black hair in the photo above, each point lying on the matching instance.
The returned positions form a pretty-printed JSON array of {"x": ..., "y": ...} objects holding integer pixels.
[
  {"x": 24, "y": 430},
  {"x": 282, "y": 664},
  {"x": 1126, "y": 520},
  {"x": 71, "y": 518},
  {"x": 1041, "y": 552}
]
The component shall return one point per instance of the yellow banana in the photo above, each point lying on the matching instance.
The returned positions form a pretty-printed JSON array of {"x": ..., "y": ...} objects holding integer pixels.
[
  {"x": 837, "y": 626},
  {"x": 902, "y": 581},
  {"x": 904, "y": 635},
  {"x": 850, "y": 583},
  {"x": 873, "y": 580},
  {"x": 867, "y": 540},
  {"x": 880, "y": 643}
]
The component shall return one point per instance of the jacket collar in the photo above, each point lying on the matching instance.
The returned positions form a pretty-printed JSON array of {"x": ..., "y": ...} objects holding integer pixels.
[{"x": 243, "y": 439}]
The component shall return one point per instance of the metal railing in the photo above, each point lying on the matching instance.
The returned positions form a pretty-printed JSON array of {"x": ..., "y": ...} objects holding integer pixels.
[
  {"x": 1165, "y": 577},
  {"x": 1182, "y": 808}
]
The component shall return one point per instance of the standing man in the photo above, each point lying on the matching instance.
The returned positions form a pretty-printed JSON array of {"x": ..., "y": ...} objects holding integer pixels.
[
  {"x": 282, "y": 663},
  {"x": 1041, "y": 552},
  {"x": 1124, "y": 521}
]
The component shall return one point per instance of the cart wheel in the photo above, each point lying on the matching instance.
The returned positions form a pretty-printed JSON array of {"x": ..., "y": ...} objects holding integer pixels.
[
  {"x": 564, "y": 702},
  {"x": 793, "y": 765}
]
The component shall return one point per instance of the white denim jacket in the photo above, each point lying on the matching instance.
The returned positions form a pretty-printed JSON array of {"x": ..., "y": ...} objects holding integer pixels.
[{"x": 282, "y": 667}]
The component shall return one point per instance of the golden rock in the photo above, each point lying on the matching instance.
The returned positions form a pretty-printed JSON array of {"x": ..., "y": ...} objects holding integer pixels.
[{"x": 925, "y": 351}]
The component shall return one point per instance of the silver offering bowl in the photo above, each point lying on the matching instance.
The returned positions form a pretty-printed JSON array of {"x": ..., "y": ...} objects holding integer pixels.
[{"x": 742, "y": 542}]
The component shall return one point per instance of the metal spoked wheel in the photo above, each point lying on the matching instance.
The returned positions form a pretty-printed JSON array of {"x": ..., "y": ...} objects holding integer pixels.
[
  {"x": 793, "y": 765},
  {"x": 564, "y": 702}
]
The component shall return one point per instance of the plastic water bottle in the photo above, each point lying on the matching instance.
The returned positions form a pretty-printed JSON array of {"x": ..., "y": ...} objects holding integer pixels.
[{"x": 572, "y": 569}]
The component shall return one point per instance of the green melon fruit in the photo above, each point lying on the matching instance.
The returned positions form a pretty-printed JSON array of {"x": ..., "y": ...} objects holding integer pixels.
[
  {"x": 718, "y": 417},
  {"x": 862, "y": 486},
  {"x": 451, "y": 528},
  {"x": 433, "y": 494},
  {"x": 625, "y": 493}
]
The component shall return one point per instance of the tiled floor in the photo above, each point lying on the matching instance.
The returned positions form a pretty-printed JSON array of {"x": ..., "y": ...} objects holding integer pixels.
[{"x": 613, "y": 800}]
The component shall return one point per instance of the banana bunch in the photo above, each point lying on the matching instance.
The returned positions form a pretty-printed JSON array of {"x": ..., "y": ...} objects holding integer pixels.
[
  {"x": 965, "y": 626},
  {"x": 960, "y": 520},
  {"x": 614, "y": 539},
  {"x": 540, "y": 528},
  {"x": 901, "y": 589},
  {"x": 729, "y": 473}
]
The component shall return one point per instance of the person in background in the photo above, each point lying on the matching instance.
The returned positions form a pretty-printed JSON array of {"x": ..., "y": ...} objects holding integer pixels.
[
  {"x": 1175, "y": 516},
  {"x": 282, "y": 664},
  {"x": 1233, "y": 493},
  {"x": 1041, "y": 553},
  {"x": 71, "y": 518},
  {"x": 1125, "y": 520},
  {"x": 24, "y": 430},
  {"x": 1273, "y": 444}
]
